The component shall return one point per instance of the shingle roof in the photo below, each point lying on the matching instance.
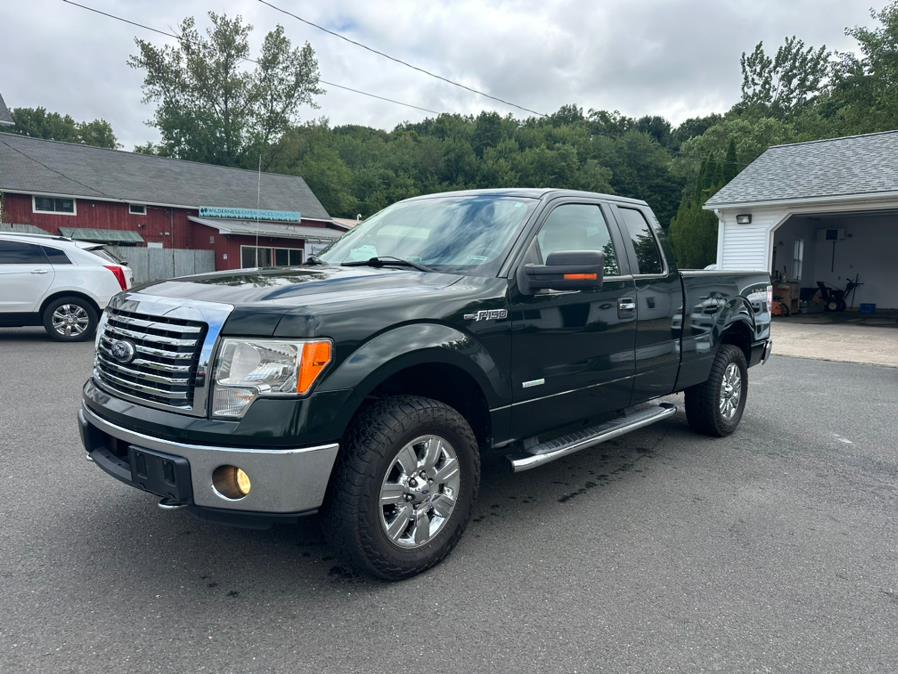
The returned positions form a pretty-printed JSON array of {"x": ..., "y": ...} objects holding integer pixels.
[
  {"x": 30, "y": 165},
  {"x": 5, "y": 115},
  {"x": 823, "y": 168}
]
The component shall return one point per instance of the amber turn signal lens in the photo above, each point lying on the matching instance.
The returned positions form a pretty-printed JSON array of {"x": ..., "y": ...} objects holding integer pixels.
[
  {"x": 315, "y": 357},
  {"x": 581, "y": 277}
]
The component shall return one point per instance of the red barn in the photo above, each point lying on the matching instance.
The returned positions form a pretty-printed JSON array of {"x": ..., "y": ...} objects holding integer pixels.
[{"x": 131, "y": 199}]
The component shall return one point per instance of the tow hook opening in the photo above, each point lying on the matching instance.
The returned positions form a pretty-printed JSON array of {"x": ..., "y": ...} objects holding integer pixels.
[{"x": 171, "y": 504}]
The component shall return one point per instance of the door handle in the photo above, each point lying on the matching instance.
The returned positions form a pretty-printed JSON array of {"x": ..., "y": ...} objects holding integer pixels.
[
  {"x": 39, "y": 271},
  {"x": 626, "y": 304}
]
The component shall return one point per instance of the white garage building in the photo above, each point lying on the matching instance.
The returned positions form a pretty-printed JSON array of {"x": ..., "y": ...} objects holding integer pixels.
[{"x": 819, "y": 211}]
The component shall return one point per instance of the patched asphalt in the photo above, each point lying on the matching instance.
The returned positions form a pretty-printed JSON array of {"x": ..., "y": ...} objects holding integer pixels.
[{"x": 773, "y": 549}]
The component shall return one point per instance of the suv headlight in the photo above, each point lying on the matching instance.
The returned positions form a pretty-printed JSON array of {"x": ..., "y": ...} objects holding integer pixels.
[{"x": 249, "y": 368}]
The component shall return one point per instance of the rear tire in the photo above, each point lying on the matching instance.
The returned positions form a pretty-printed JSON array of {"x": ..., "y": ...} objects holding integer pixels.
[
  {"x": 70, "y": 319},
  {"x": 403, "y": 488},
  {"x": 710, "y": 406}
]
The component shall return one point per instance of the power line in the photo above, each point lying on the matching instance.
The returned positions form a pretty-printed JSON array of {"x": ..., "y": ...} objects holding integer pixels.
[
  {"x": 249, "y": 60},
  {"x": 400, "y": 61}
]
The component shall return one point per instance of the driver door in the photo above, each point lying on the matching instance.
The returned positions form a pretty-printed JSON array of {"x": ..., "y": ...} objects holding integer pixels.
[{"x": 573, "y": 351}]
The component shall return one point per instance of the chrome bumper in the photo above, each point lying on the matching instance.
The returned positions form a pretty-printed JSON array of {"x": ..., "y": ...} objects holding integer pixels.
[{"x": 284, "y": 480}]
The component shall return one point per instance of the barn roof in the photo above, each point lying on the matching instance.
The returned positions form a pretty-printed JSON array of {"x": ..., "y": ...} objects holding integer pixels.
[
  {"x": 849, "y": 166},
  {"x": 36, "y": 166}
]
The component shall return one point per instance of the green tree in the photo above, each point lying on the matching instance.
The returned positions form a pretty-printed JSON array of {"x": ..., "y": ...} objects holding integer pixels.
[
  {"x": 209, "y": 106},
  {"x": 38, "y": 123}
]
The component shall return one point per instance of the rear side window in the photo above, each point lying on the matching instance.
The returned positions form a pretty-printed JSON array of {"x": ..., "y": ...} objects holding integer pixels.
[
  {"x": 648, "y": 255},
  {"x": 575, "y": 227},
  {"x": 106, "y": 255},
  {"x": 56, "y": 256},
  {"x": 14, "y": 252}
]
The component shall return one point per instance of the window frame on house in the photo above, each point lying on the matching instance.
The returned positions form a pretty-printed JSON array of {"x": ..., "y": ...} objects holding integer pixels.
[
  {"x": 272, "y": 255},
  {"x": 797, "y": 259},
  {"x": 142, "y": 207},
  {"x": 55, "y": 198}
]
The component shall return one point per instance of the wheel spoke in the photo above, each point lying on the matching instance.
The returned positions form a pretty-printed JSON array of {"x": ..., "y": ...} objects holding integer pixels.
[
  {"x": 449, "y": 470},
  {"x": 432, "y": 450},
  {"x": 443, "y": 505},
  {"x": 392, "y": 493},
  {"x": 422, "y": 526},
  {"x": 400, "y": 523},
  {"x": 407, "y": 460}
]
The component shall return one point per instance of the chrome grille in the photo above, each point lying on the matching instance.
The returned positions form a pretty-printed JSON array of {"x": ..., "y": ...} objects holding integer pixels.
[{"x": 163, "y": 369}]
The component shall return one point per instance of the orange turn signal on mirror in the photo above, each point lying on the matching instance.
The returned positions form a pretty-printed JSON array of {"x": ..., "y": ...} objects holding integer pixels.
[
  {"x": 581, "y": 277},
  {"x": 315, "y": 357}
]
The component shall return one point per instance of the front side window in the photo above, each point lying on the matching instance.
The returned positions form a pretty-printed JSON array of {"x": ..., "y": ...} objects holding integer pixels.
[
  {"x": 575, "y": 227},
  {"x": 463, "y": 234},
  {"x": 54, "y": 205},
  {"x": 648, "y": 255},
  {"x": 14, "y": 252}
]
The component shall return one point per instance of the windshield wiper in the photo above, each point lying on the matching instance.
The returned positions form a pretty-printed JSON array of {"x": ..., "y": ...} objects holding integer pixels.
[{"x": 383, "y": 261}]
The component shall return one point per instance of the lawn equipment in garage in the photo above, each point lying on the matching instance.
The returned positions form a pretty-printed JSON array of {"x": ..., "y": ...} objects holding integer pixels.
[{"x": 837, "y": 299}]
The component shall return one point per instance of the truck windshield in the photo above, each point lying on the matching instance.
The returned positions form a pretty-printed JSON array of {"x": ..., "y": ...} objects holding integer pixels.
[{"x": 465, "y": 234}]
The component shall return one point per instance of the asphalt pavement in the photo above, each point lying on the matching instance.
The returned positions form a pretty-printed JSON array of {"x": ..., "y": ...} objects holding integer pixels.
[{"x": 773, "y": 549}]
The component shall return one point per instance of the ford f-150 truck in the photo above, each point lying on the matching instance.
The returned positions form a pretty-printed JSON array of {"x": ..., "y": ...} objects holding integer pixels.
[{"x": 366, "y": 383}]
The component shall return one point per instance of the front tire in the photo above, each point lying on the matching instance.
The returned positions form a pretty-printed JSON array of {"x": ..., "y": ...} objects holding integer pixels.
[
  {"x": 70, "y": 319},
  {"x": 403, "y": 488},
  {"x": 715, "y": 406}
]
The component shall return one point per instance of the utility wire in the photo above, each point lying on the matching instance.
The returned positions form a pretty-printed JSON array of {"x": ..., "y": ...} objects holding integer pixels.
[
  {"x": 400, "y": 61},
  {"x": 249, "y": 60}
]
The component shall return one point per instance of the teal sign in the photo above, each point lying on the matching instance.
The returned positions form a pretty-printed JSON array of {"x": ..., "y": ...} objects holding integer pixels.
[{"x": 248, "y": 214}]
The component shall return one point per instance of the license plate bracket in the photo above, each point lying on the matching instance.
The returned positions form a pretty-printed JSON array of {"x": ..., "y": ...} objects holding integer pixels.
[{"x": 162, "y": 474}]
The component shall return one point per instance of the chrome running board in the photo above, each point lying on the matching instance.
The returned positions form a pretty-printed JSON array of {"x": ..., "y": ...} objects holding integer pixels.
[{"x": 551, "y": 450}]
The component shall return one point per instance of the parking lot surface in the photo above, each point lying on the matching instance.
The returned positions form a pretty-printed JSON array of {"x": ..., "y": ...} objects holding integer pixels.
[{"x": 774, "y": 548}]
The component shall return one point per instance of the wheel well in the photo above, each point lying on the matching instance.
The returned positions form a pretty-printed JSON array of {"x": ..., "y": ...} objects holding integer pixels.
[
  {"x": 69, "y": 293},
  {"x": 448, "y": 384},
  {"x": 738, "y": 334}
]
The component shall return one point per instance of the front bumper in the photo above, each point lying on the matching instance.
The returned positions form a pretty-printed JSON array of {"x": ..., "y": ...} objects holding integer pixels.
[{"x": 284, "y": 481}]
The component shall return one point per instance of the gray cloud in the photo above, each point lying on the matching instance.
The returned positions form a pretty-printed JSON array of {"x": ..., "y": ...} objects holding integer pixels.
[{"x": 674, "y": 58}]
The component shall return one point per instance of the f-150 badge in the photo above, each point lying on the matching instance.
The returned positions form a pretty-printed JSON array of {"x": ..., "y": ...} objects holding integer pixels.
[{"x": 487, "y": 315}]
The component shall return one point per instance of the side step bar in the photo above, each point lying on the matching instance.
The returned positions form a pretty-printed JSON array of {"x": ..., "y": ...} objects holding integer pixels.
[{"x": 551, "y": 450}]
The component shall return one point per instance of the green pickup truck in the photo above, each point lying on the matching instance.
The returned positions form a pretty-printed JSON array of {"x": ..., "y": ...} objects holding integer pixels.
[{"x": 366, "y": 383}]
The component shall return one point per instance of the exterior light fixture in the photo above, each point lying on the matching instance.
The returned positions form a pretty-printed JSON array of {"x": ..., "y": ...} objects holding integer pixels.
[{"x": 743, "y": 219}]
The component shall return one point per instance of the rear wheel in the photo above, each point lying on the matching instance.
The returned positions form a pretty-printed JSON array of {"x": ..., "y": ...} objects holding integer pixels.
[
  {"x": 403, "y": 488},
  {"x": 70, "y": 319},
  {"x": 715, "y": 406}
]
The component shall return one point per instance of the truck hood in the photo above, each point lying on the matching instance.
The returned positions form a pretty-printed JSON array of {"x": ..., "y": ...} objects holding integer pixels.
[{"x": 300, "y": 286}]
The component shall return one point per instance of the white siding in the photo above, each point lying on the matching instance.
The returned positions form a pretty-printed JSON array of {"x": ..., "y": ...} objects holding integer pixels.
[{"x": 747, "y": 246}]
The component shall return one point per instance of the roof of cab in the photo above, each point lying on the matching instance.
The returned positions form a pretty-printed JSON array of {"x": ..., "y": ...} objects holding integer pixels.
[{"x": 533, "y": 193}]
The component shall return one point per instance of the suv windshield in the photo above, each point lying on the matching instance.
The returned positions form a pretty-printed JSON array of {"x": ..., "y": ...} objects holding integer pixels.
[{"x": 467, "y": 234}]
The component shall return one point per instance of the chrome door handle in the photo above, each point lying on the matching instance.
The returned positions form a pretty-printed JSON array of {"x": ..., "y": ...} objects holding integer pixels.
[
  {"x": 39, "y": 271},
  {"x": 626, "y": 305}
]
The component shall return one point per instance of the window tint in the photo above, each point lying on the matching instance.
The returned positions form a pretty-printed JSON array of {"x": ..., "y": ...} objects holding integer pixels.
[
  {"x": 54, "y": 204},
  {"x": 13, "y": 252},
  {"x": 648, "y": 256},
  {"x": 56, "y": 256},
  {"x": 576, "y": 227}
]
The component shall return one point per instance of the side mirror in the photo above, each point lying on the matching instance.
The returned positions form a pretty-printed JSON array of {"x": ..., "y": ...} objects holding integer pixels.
[{"x": 564, "y": 270}]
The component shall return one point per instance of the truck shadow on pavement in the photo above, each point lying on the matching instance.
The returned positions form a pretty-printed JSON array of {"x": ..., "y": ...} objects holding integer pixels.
[{"x": 213, "y": 562}]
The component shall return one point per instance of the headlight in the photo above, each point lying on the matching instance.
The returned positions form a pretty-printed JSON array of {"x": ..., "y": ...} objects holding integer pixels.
[{"x": 247, "y": 369}]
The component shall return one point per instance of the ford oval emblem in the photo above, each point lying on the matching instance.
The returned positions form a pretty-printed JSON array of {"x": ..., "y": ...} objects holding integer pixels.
[{"x": 122, "y": 350}]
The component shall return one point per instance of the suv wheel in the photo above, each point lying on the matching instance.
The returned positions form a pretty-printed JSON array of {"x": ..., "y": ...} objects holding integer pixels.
[
  {"x": 70, "y": 319},
  {"x": 715, "y": 407},
  {"x": 403, "y": 488}
]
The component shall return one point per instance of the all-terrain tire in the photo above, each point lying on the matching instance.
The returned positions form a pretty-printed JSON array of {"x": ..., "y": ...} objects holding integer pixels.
[
  {"x": 351, "y": 517},
  {"x": 703, "y": 401}
]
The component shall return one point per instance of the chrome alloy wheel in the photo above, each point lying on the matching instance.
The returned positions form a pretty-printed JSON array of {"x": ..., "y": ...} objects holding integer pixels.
[
  {"x": 730, "y": 391},
  {"x": 70, "y": 320},
  {"x": 419, "y": 491}
]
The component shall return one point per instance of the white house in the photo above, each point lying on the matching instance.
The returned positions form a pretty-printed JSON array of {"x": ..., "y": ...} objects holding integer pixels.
[{"x": 825, "y": 210}]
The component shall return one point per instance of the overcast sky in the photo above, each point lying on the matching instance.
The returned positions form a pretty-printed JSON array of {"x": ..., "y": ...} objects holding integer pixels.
[{"x": 677, "y": 58}]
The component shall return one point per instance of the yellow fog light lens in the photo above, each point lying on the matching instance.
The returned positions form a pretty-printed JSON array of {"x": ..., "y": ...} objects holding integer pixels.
[
  {"x": 243, "y": 482},
  {"x": 231, "y": 482}
]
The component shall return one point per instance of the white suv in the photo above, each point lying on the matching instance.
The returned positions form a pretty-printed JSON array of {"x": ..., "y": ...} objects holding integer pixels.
[{"x": 61, "y": 284}]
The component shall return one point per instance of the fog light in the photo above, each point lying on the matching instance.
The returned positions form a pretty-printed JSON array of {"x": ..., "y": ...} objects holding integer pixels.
[{"x": 231, "y": 482}]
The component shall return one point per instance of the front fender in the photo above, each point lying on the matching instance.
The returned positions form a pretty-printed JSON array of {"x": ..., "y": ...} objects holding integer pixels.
[{"x": 416, "y": 344}]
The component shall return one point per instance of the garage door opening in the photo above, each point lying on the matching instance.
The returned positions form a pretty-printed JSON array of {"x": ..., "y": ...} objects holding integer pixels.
[{"x": 837, "y": 250}]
